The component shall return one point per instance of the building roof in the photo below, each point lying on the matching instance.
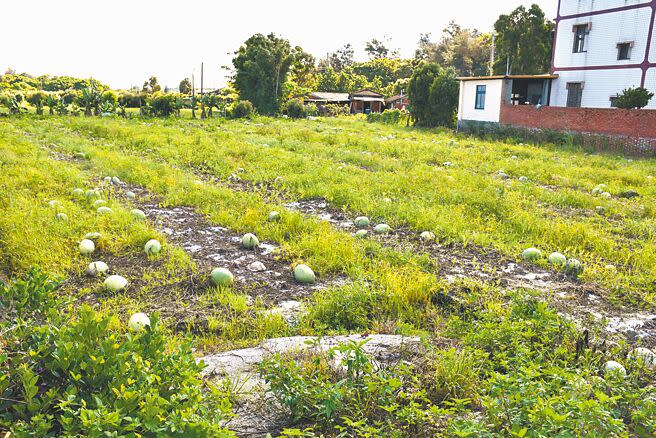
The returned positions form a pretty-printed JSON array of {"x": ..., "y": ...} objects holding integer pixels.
[
  {"x": 395, "y": 98},
  {"x": 329, "y": 97},
  {"x": 367, "y": 93},
  {"x": 491, "y": 78}
]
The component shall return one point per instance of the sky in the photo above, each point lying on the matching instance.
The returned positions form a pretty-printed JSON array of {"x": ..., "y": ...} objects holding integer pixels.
[{"x": 123, "y": 42}]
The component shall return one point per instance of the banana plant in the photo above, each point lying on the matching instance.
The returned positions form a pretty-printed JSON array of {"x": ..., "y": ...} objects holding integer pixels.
[
  {"x": 61, "y": 107},
  {"x": 51, "y": 103},
  {"x": 107, "y": 107},
  {"x": 15, "y": 104},
  {"x": 121, "y": 111},
  {"x": 90, "y": 100}
]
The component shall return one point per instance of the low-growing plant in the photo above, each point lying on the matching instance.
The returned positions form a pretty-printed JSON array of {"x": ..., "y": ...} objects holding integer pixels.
[{"x": 78, "y": 373}]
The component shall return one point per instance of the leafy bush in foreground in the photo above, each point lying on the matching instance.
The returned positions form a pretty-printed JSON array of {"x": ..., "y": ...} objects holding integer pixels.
[
  {"x": 519, "y": 370},
  {"x": 76, "y": 375}
]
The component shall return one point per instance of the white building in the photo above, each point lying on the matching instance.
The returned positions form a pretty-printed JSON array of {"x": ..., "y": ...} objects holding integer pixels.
[
  {"x": 481, "y": 97},
  {"x": 602, "y": 47}
]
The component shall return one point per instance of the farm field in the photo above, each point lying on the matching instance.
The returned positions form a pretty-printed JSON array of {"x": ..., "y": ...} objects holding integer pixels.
[{"x": 494, "y": 344}]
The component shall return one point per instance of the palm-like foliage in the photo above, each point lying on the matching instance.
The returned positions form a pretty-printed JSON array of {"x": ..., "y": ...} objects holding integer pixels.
[
  {"x": 107, "y": 107},
  {"x": 51, "y": 102},
  {"x": 90, "y": 100}
]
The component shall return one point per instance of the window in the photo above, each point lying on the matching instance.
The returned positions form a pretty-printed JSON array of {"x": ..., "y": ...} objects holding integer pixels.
[
  {"x": 480, "y": 97},
  {"x": 574, "y": 94},
  {"x": 624, "y": 51},
  {"x": 580, "y": 31},
  {"x": 613, "y": 101}
]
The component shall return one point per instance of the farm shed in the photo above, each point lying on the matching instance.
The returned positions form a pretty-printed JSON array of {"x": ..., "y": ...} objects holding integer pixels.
[
  {"x": 366, "y": 101},
  {"x": 324, "y": 98}
]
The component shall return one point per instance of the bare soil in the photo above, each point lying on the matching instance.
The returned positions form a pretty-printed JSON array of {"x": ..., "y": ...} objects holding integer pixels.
[{"x": 582, "y": 302}]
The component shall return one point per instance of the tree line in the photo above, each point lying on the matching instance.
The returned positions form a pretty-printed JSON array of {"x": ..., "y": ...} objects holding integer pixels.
[{"x": 268, "y": 73}]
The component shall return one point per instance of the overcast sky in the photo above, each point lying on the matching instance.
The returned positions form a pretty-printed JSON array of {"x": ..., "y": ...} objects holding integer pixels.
[{"x": 123, "y": 42}]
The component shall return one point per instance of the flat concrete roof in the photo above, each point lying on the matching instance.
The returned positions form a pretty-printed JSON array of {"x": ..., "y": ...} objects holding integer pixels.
[{"x": 491, "y": 78}]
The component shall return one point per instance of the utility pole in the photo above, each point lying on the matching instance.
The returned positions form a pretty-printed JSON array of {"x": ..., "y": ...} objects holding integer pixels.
[
  {"x": 492, "y": 50},
  {"x": 193, "y": 97},
  {"x": 202, "y": 101}
]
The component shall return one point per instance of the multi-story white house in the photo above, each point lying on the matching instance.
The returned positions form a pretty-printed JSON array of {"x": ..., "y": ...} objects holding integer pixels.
[{"x": 602, "y": 47}]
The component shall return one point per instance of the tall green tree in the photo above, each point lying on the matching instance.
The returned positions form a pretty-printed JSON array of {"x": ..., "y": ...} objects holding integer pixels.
[
  {"x": 466, "y": 50},
  {"x": 433, "y": 93},
  {"x": 524, "y": 41},
  {"x": 378, "y": 49},
  {"x": 185, "y": 86},
  {"x": 302, "y": 74},
  {"x": 151, "y": 86},
  {"x": 262, "y": 65},
  {"x": 339, "y": 59}
]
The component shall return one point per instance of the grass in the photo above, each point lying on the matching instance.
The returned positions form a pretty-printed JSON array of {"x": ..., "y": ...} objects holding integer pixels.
[
  {"x": 504, "y": 343},
  {"x": 466, "y": 202}
]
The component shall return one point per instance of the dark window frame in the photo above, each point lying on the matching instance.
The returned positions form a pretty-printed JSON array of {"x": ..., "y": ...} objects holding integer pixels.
[
  {"x": 481, "y": 91},
  {"x": 574, "y": 101},
  {"x": 624, "y": 50},
  {"x": 580, "y": 32}
]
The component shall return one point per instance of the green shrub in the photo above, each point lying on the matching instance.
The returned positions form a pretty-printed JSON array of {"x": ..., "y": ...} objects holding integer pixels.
[
  {"x": 295, "y": 109},
  {"x": 345, "y": 391},
  {"x": 334, "y": 110},
  {"x": 631, "y": 98},
  {"x": 110, "y": 96},
  {"x": 76, "y": 374},
  {"x": 242, "y": 109},
  {"x": 163, "y": 104},
  {"x": 130, "y": 99},
  {"x": 389, "y": 117}
]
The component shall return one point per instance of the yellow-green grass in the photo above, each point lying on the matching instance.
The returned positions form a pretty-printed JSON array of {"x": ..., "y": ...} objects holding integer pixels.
[
  {"x": 403, "y": 279},
  {"x": 508, "y": 345},
  {"x": 355, "y": 165}
]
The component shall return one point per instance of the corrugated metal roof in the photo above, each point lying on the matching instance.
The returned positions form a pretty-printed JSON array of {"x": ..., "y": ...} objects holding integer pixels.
[
  {"x": 335, "y": 97},
  {"x": 489, "y": 78}
]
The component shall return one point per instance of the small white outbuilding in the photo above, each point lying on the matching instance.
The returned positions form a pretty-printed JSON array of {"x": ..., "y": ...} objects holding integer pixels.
[{"x": 481, "y": 97}]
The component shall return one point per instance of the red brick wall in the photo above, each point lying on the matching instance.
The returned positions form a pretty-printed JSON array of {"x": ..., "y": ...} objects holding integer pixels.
[{"x": 608, "y": 121}]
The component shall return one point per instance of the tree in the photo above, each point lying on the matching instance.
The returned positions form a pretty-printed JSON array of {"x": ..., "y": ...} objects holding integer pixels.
[
  {"x": 90, "y": 99},
  {"x": 37, "y": 99},
  {"x": 339, "y": 59},
  {"x": 262, "y": 65},
  {"x": 444, "y": 95},
  {"x": 433, "y": 93},
  {"x": 51, "y": 102},
  {"x": 467, "y": 50},
  {"x": 151, "y": 86},
  {"x": 303, "y": 74},
  {"x": 377, "y": 49},
  {"x": 632, "y": 98},
  {"x": 185, "y": 86},
  {"x": 523, "y": 43}
]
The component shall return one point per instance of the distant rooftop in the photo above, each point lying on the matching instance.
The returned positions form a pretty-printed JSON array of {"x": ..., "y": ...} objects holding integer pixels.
[{"x": 490, "y": 78}]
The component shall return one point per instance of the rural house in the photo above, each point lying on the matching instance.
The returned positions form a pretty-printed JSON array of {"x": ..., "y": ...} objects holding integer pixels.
[
  {"x": 366, "y": 101},
  {"x": 399, "y": 101},
  {"x": 601, "y": 47},
  {"x": 363, "y": 101}
]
